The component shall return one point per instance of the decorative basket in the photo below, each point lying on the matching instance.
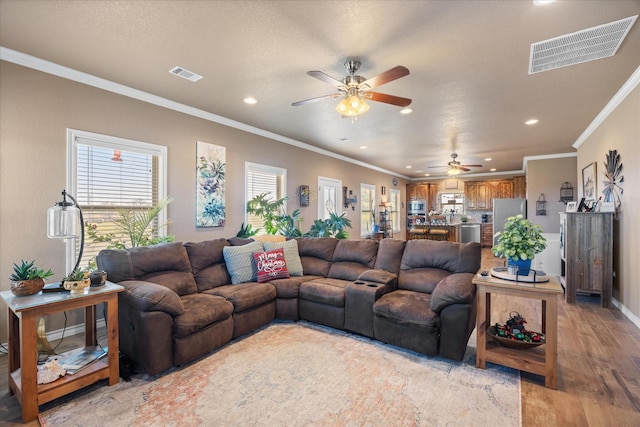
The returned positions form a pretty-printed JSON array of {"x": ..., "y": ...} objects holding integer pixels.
[
  {"x": 514, "y": 334},
  {"x": 25, "y": 288},
  {"x": 510, "y": 343}
]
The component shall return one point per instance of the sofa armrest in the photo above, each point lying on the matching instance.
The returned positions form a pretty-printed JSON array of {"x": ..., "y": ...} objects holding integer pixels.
[
  {"x": 147, "y": 296},
  {"x": 453, "y": 289},
  {"x": 378, "y": 276}
]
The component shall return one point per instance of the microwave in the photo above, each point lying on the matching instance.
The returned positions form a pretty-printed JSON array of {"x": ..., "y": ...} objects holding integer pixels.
[{"x": 417, "y": 207}]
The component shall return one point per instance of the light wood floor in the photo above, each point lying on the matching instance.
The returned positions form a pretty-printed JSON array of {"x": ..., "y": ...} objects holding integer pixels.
[{"x": 598, "y": 366}]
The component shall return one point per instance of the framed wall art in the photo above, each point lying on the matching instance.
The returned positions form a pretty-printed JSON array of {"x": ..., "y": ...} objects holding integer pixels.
[
  {"x": 589, "y": 189},
  {"x": 210, "y": 185}
]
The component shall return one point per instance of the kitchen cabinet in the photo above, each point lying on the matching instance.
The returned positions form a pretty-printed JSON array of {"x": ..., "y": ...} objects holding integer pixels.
[
  {"x": 417, "y": 191},
  {"x": 519, "y": 187},
  {"x": 433, "y": 197},
  {"x": 587, "y": 255},
  {"x": 480, "y": 194},
  {"x": 486, "y": 235}
]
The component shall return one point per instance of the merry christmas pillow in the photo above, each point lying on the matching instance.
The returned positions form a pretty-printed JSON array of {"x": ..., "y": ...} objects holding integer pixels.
[{"x": 271, "y": 265}]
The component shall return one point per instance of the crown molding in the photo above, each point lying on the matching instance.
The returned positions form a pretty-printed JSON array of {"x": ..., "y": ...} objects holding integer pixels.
[
  {"x": 625, "y": 90},
  {"x": 526, "y": 159},
  {"x": 58, "y": 70}
]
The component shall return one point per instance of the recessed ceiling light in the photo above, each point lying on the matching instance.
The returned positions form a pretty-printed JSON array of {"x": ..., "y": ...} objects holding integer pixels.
[
  {"x": 492, "y": 169},
  {"x": 250, "y": 100},
  {"x": 542, "y": 2},
  {"x": 487, "y": 159},
  {"x": 363, "y": 147},
  {"x": 419, "y": 171},
  {"x": 406, "y": 111},
  {"x": 408, "y": 166},
  {"x": 427, "y": 174},
  {"x": 531, "y": 122}
]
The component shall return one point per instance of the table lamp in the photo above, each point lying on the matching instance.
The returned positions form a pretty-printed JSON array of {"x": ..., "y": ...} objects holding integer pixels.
[{"x": 62, "y": 222}]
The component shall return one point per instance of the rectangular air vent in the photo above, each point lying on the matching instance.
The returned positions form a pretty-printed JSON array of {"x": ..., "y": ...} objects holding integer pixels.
[
  {"x": 582, "y": 46},
  {"x": 185, "y": 74}
]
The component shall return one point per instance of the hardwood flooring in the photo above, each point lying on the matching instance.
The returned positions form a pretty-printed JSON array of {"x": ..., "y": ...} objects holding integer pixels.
[{"x": 598, "y": 366}]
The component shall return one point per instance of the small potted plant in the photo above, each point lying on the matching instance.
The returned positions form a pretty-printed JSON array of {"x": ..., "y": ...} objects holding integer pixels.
[
  {"x": 76, "y": 281},
  {"x": 519, "y": 242},
  {"x": 27, "y": 279}
]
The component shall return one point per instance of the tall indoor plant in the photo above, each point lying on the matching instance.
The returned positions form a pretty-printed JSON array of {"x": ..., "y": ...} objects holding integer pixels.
[{"x": 519, "y": 241}]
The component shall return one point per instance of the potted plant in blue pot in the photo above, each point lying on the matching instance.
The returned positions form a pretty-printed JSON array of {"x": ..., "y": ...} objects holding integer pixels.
[{"x": 519, "y": 242}]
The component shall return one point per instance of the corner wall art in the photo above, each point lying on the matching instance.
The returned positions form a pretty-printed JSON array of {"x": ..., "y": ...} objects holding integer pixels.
[
  {"x": 210, "y": 183},
  {"x": 589, "y": 188}
]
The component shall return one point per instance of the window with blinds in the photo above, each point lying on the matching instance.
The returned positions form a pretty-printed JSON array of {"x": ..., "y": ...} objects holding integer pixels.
[
  {"x": 263, "y": 179},
  {"x": 367, "y": 209},
  {"x": 112, "y": 174},
  {"x": 394, "y": 198}
]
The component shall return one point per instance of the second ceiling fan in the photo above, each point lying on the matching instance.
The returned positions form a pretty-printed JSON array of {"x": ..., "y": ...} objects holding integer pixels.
[{"x": 355, "y": 90}]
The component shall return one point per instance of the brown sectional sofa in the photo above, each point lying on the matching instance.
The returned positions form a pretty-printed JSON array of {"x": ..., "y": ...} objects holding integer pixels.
[{"x": 179, "y": 303}]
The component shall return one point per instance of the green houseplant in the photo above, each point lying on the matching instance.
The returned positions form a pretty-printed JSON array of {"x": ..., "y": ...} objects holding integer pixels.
[
  {"x": 27, "y": 279},
  {"x": 519, "y": 241}
]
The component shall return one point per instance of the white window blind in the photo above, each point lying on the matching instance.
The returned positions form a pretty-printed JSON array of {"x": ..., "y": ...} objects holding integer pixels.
[
  {"x": 263, "y": 179},
  {"x": 367, "y": 209},
  {"x": 110, "y": 174},
  {"x": 394, "y": 198}
]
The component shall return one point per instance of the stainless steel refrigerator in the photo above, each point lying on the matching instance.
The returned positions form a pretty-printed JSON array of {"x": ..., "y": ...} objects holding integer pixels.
[{"x": 503, "y": 209}]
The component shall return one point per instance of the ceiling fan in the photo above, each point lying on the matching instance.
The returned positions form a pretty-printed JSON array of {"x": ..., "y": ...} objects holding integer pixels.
[
  {"x": 354, "y": 90},
  {"x": 455, "y": 167}
]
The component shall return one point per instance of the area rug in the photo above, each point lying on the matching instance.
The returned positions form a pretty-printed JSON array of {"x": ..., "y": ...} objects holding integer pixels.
[{"x": 302, "y": 374}]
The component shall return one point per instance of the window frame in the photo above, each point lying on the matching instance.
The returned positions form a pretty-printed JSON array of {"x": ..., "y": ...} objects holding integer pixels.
[
  {"x": 268, "y": 169},
  {"x": 395, "y": 214},
  {"x": 372, "y": 189},
  {"x": 75, "y": 137}
]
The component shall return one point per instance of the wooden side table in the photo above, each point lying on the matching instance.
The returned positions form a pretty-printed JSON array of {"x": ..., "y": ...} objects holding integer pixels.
[
  {"x": 540, "y": 360},
  {"x": 23, "y": 313}
]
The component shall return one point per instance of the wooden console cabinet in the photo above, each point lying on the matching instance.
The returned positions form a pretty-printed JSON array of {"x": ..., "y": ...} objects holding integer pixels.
[
  {"x": 486, "y": 235},
  {"x": 587, "y": 258}
]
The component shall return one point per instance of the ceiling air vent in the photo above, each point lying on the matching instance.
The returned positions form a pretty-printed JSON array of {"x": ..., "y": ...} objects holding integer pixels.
[
  {"x": 185, "y": 74},
  {"x": 582, "y": 46}
]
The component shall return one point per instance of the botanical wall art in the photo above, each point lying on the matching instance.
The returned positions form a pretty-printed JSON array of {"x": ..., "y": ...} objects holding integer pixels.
[
  {"x": 210, "y": 176},
  {"x": 589, "y": 182}
]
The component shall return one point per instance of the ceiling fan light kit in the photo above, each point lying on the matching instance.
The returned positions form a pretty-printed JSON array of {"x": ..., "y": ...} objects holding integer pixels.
[{"x": 355, "y": 89}]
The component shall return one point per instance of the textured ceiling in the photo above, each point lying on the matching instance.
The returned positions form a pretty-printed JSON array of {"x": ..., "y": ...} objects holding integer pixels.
[{"x": 468, "y": 61}]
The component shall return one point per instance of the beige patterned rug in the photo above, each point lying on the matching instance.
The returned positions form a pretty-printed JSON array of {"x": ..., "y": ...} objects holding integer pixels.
[{"x": 301, "y": 374}]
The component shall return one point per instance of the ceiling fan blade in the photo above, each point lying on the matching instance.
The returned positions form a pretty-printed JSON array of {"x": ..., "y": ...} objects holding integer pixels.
[
  {"x": 312, "y": 100},
  {"x": 386, "y": 77},
  {"x": 471, "y": 166},
  {"x": 325, "y": 78},
  {"x": 388, "y": 99},
  {"x": 462, "y": 168}
]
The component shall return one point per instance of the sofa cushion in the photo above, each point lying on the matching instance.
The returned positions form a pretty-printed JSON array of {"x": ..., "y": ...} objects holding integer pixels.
[
  {"x": 200, "y": 311},
  {"x": 291, "y": 255},
  {"x": 360, "y": 251},
  {"x": 316, "y": 254},
  {"x": 166, "y": 264},
  {"x": 408, "y": 308},
  {"x": 421, "y": 279},
  {"x": 325, "y": 291},
  {"x": 453, "y": 289},
  {"x": 389, "y": 255},
  {"x": 245, "y": 296},
  {"x": 239, "y": 261},
  {"x": 147, "y": 296},
  {"x": 207, "y": 263},
  {"x": 270, "y": 265},
  {"x": 290, "y": 288}
]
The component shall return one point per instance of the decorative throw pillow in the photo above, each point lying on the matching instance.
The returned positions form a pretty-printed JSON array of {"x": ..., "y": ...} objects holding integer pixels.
[
  {"x": 239, "y": 261},
  {"x": 291, "y": 255},
  {"x": 271, "y": 265}
]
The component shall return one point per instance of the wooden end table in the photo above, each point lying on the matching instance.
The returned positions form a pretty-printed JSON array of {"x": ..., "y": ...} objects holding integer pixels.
[
  {"x": 23, "y": 313},
  {"x": 540, "y": 360}
]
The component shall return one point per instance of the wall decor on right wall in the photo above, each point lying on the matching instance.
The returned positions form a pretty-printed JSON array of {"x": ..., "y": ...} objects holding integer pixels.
[
  {"x": 589, "y": 185},
  {"x": 613, "y": 178}
]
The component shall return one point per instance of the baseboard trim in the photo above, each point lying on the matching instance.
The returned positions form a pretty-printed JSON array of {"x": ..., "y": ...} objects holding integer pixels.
[
  {"x": 68, "y": 332},
  {"x": 632, "y": 317}
]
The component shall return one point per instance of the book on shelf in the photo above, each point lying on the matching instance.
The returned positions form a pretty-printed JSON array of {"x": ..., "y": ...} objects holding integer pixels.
[{"x": 74, "y": 360}]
